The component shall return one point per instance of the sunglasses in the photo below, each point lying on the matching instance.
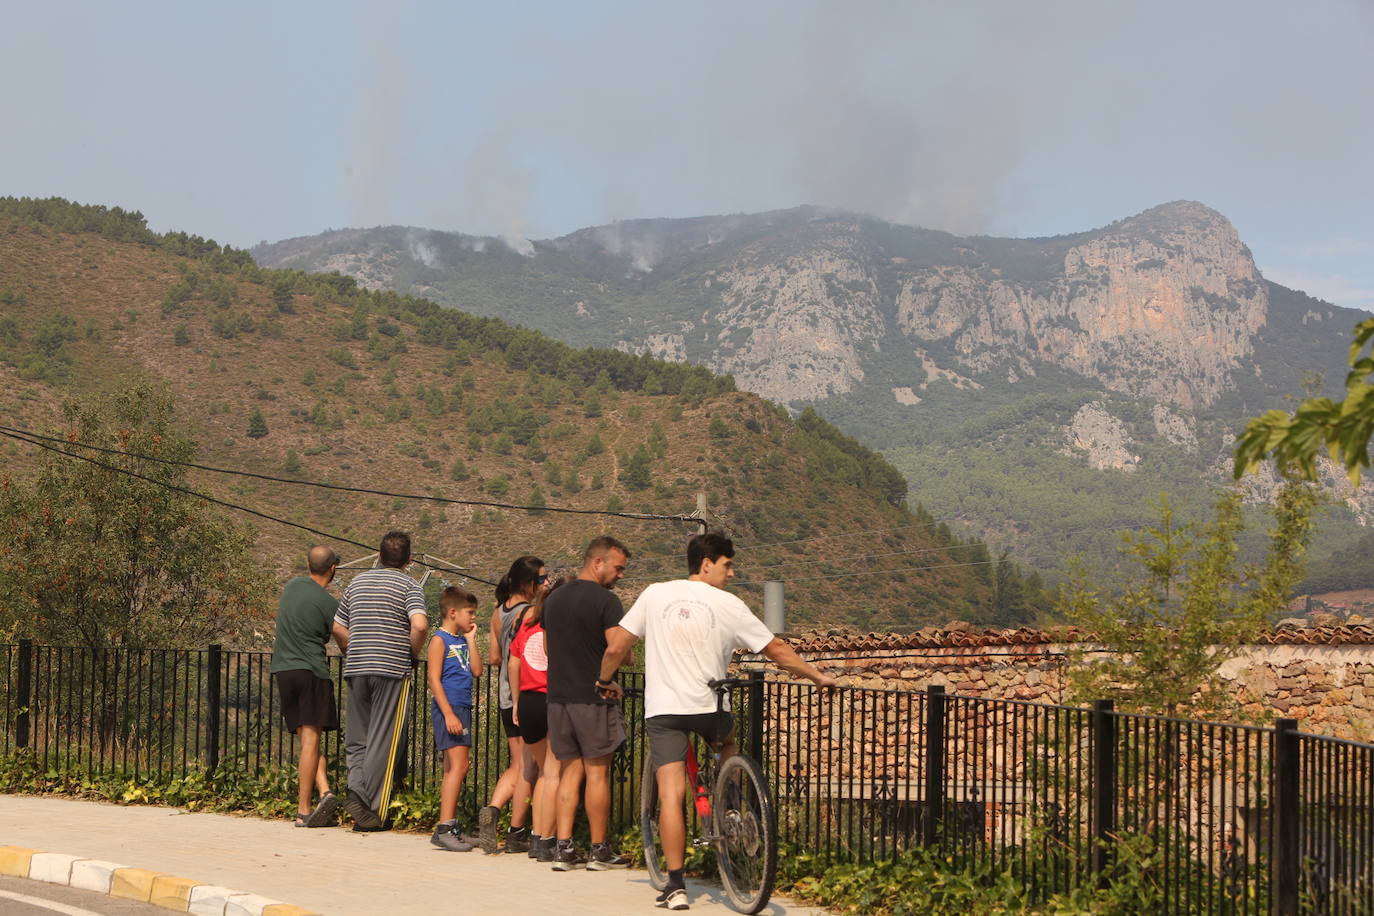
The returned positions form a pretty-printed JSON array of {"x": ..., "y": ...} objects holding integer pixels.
[{"x": 542, "y": 579}]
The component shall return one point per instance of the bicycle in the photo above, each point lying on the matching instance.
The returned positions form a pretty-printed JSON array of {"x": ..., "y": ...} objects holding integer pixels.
[{"x": 738, "y": 821}]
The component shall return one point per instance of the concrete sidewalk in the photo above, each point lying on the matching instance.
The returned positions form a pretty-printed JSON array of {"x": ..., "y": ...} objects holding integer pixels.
[{"x": 333, "y": 871}]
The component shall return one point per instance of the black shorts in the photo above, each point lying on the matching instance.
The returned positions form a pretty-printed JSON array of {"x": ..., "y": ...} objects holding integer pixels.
[
  {"x": 307, "y": 700},
  {"x": 585, "y": 730},
  {"x": 534, "y": 716},
  {"x": 669, "y": 735},
  {"x": 508, "y": 722}
]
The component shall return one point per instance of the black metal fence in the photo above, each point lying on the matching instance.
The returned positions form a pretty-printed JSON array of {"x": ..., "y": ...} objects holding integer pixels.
[{"x": 1210, "y": 818}]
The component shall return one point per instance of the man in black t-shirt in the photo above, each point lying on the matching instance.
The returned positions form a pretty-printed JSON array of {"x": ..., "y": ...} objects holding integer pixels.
[{"x": 584, "y": 729}]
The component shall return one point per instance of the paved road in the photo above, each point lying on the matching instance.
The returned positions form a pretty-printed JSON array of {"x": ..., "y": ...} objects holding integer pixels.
[
  {"x": 20, "y": 897},
  {"x": 333, "y": 871}
]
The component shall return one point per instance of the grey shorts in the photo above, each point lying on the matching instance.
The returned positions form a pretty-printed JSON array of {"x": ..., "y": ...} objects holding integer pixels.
[
  {"x": 585, "y": 730},
  {"x": 668, "y": 735}
]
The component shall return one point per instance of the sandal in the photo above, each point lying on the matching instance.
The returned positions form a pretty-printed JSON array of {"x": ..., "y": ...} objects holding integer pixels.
[
  {"x": 323, "y": 815},
  {"x": 300, "y": 820}
]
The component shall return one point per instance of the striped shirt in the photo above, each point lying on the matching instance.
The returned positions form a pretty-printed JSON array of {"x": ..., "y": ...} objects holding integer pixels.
[{"x": 376, "y": 610}]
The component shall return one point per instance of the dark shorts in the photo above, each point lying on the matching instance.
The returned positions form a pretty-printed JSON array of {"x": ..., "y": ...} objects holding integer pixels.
[
  {"x": 508, "y": 722},
  {"x": 585, "y": 730},
  {"x": 307, "y": 700},
  {"x": 534, "y": 716},
  {"x": 442, "y": 739},
  {"x": 669, "y": 735}
]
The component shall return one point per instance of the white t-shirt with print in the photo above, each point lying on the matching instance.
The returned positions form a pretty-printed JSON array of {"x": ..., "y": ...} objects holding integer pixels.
[{"x": 690, "y": 631}]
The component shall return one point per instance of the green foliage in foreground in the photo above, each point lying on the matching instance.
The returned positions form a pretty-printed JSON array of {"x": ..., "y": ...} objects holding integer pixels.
[
  {"x": 929, "y": 882},
  {"x": 1189, "y": 606},
  {"x": 268, "y": 794},
  {"x": 1341, "y": 429}
]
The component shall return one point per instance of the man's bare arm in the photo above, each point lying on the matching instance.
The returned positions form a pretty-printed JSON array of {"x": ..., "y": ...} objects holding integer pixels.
[
  {"x": 419, "y": 629},
  {"x": 619, "y": 642},
  {"x": 341, "y": 636},
  {"x": 786, "y": 658}
]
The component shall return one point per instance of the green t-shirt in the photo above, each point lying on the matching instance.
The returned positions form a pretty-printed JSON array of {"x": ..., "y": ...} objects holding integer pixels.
[{"x": 305, "y": 617}]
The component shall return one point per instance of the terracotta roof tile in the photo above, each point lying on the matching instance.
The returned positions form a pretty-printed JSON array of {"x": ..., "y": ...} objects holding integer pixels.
[{"x": 816, "y": 640}]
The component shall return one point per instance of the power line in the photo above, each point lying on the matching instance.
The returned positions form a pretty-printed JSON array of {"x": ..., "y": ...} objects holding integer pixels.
[
  {"x": 11, "y": 431},
  {"x": 211, "y": 499}
]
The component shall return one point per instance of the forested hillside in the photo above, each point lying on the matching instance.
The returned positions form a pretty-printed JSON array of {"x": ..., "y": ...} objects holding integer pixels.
[{"x": 307, "y": 376}]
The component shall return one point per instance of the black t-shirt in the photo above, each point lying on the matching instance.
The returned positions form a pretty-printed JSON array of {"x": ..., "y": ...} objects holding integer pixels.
[{"x": 576, "y": 618}]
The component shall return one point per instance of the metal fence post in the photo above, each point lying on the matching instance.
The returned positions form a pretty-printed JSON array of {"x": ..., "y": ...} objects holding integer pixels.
[
  {"x": 756, "y": 716},
  {"x": 935, "y": 765},
  {"x": 212, "y": 688},
  {"x": 21, "y": 720},
  {"x": 1287, "y": 801},
  {"x": 1103, "y": 787}
]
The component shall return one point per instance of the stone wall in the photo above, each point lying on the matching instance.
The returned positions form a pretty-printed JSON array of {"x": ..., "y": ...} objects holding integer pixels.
[{"x": 1328, "y": 685}]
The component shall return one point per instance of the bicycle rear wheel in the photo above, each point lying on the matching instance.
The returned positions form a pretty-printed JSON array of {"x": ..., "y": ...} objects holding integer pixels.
[
  {"x": 648, "y": 825},
  {"x": 747, "y": 834}
]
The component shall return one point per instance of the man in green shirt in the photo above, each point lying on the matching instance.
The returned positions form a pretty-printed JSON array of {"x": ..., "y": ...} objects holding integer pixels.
[{"x": 305, "y": 618}]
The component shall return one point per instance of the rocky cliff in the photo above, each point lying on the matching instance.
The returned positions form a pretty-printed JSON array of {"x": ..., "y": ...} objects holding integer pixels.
[{"x": 1164, "y": 304}]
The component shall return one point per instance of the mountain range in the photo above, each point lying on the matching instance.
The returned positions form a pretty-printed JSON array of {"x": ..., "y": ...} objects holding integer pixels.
[
  {"x": 1044, "y": 392},
  {"x": 307, "y": 377}
]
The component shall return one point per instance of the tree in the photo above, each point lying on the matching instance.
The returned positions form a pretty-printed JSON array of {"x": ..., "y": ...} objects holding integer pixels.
[
  {"x": 1295, "y": 441},
  {"x": 635, "y": 473},
  {"x": 257, "y": 425},
  {"x": 95, "y": 556},
  {"x": 1191, "y": 606}
]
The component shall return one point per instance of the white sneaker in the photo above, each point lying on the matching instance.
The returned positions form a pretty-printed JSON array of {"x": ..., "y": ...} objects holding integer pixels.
[{"x": 675, "y": 899}]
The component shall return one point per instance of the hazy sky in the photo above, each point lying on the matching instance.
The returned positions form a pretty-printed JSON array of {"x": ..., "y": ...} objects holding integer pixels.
[{"x": 250, "y": 121}]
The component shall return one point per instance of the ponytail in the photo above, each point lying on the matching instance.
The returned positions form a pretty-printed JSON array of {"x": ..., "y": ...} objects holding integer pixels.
[{"x": 524, "y": 572}]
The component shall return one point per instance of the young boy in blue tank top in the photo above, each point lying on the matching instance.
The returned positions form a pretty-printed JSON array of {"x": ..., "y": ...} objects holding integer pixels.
[{"x": 452, "y": 663}]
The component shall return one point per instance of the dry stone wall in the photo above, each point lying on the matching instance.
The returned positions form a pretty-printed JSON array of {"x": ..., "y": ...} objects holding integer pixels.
[{"x": 1326, "y": 684}]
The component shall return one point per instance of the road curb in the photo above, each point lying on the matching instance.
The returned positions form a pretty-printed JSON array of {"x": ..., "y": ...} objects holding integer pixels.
[{"x": 171, "y": 892}]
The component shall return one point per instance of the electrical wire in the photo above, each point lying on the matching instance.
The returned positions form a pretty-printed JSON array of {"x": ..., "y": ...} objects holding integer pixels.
[
  {"x": 219, "y": 502},
  {"x": 16, "y": 432}
]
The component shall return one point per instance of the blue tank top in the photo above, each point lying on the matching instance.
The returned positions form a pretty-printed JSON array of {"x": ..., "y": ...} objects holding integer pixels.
[{"x": 457, "y": 673}]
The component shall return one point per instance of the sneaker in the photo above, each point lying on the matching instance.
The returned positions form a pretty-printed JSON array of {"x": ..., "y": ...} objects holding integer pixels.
[
  {"x": 674, "y": 898},
  {"x": 365, "y": 820},
  {"x": 446, "y": 837},
  {"x": 604, "y": 858},
  {"x": 544, "y": 849},
  {"x": 323, "y": 815},
  {"x": 518, "y": 840},
  {"x": 486, "y": 828},
  {"x": 567, "y": 858}
]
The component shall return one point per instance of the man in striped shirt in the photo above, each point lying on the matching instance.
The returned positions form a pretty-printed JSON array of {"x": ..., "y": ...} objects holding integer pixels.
[{"x": 381, "y": 625}]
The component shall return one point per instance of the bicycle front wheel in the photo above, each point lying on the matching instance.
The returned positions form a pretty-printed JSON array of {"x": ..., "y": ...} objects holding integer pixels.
[
  {"x": 747, "y": 834},
  {"x": 648, "y": 825}
]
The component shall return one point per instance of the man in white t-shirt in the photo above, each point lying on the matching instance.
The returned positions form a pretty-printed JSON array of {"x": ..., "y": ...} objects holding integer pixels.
[{"x": 691, "y": 628}]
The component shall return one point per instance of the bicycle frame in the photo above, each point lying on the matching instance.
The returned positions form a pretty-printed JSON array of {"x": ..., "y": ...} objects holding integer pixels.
[{"x": 701, "y": 796}]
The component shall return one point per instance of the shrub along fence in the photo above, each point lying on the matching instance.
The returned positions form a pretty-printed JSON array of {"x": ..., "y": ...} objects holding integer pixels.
[{"x": 1208, "y": 818}]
